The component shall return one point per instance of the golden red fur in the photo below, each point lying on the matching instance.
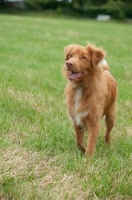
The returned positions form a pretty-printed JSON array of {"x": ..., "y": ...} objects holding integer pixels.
[{"x": 90, "y": 93}]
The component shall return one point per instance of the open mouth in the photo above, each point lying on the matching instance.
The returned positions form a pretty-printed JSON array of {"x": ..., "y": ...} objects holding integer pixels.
[{"x": 75, "y": 75}]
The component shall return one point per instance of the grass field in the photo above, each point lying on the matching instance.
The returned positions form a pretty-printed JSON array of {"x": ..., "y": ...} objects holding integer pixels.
[{"x": 38, "y": 156}]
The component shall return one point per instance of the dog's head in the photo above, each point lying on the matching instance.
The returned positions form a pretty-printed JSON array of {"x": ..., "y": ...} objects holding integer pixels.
[{"x": 80, "y": 61}]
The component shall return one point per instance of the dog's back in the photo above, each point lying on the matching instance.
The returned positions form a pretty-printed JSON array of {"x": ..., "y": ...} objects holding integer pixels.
[{"x": 104, "y": 65}]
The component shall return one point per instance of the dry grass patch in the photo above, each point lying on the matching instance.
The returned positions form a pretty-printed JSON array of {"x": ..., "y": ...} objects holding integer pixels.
[
  {"x": 28, "y": 173},
  {"x": 31, "y": 175}
]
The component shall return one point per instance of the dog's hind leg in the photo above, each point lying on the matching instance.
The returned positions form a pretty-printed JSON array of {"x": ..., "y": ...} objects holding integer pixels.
[
  {"x": 80, "y": 138},
  {"x": 109, "y": 121}
]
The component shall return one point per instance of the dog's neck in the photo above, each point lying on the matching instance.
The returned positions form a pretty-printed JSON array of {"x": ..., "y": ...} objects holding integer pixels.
[{"x": 86, "y": 83}]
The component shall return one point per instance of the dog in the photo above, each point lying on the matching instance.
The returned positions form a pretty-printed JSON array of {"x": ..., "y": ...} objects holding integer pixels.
[{"x": 91, "y": 93}]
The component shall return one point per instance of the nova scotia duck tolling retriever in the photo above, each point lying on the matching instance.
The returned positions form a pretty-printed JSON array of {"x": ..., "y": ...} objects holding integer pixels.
[{"x": 90, "y": 93}]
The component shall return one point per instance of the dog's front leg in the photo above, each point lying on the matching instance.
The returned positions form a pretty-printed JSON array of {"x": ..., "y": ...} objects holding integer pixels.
[
  {"x": 80, "y": 138},
  {"x": 93, "y": 130}
]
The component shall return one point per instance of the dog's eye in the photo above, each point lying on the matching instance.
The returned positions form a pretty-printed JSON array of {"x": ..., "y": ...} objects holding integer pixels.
[
  {"x": 84, "y": 57},
  {"x": 70, "y": 55}
]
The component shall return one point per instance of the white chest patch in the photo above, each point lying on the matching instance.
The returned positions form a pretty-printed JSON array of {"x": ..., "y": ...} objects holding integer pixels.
[
  {"x": 78, "y": 116},
  {"x": 77, "y": 98}
]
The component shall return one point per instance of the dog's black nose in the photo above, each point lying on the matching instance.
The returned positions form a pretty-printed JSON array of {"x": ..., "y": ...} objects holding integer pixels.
[{"x": 69, "y": 64}]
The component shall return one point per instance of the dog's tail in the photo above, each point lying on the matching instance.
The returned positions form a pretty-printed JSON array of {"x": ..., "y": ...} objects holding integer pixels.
[{"x": 104, "y": 65}]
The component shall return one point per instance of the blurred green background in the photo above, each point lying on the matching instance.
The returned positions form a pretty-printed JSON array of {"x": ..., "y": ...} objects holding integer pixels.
[{"x": 117, "y": 9}]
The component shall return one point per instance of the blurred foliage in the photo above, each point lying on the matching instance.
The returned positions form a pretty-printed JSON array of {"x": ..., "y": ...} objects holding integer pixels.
[{"x": 117, "y": 9}]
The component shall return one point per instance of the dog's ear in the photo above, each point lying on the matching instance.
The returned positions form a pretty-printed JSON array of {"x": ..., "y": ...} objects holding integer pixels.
[
  {"x": 96, "y": 54},
  {"x": 67, "y": 50}
]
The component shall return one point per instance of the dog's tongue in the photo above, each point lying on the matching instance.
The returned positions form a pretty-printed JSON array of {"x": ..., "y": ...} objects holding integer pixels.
[{"x": 75, "y": 75}]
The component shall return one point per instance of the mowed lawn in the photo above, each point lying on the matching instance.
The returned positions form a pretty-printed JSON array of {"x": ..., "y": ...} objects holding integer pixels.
[{"x": 38, "y": 155}]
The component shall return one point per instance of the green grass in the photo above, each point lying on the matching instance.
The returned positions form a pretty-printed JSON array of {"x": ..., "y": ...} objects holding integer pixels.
[{"x": 38, "y": 155}]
